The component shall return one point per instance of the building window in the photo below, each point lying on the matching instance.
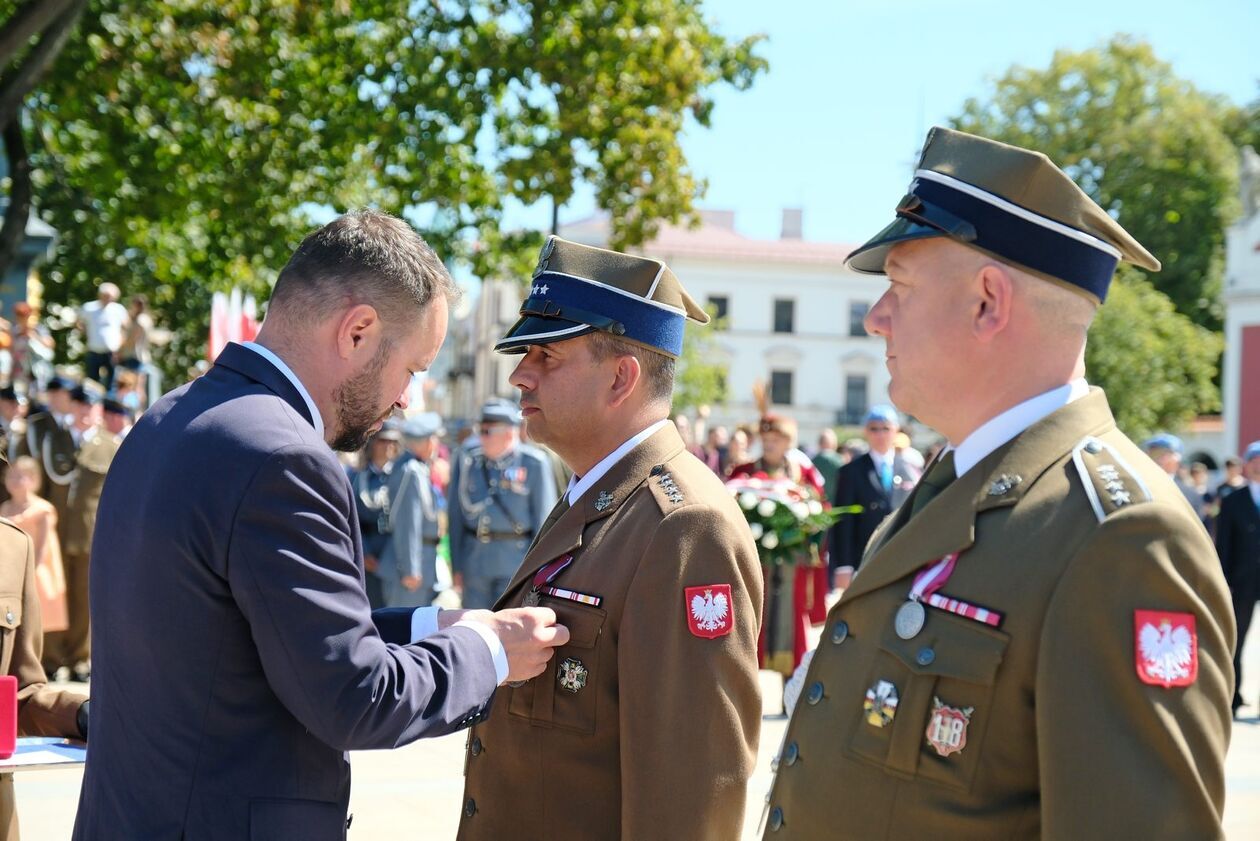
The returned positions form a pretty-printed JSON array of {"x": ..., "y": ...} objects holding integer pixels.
[
  {"x": 784, "y": 315},
  {"x": 857, "y": 313},
  {"x": 781, "y": 388},
  {"x": 717, "y": 307},
  {"x": 855, "y": 398}
]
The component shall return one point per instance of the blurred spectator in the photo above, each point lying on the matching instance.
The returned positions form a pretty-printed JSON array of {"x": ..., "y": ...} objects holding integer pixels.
[
  {"x": 408, "y": 563},
  {"x": 1234, "y": 478},
  {"x": 685, "y": 431},
  {"x": 853, "y": 448},
  {"x": 127, "y": 391},
  {"x": 36, "y": 516},
  {"x": 1238, "y": 545},
  {"x": 103, "y": 323},
  {"x": 879, "y": 481},
  {"x": 714, "y": 451},
  {"x": 31, "y": 348},
  {"x": 371, "y": 492},
  {"x": 134, "y": 352},
  {"x": 1199, "y": 484},
  {"x": 1165, "y": 450},
  {"x": 828, "y": 461},
  {"x": 909, "y": 454},
  {"x": 738, "y": 451},
  {"x": 116, "y": 417}
]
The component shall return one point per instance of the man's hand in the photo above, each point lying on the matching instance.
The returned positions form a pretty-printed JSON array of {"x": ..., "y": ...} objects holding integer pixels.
[
  {"x": 528, "y": 635},
  {"x": 412, "y": 583}
]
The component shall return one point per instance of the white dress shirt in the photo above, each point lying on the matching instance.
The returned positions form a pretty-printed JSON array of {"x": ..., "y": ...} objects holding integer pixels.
[
  {"x": 577, "y": 486},
  {"x": 424, "y": 620},
  {"x": 995, "y": 432}
]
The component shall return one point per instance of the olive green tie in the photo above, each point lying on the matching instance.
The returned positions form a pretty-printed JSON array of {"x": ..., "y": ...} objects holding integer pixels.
[{"x": 937, "y": 479}]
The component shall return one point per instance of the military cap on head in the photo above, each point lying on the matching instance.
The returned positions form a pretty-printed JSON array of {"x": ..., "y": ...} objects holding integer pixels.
[
  {"x": 578, "y": 289},
  {"x": 1163, "y": 441},
  {"x": 87, "y": 392},
  {"x": 111, "y": 406},
  {"x": 1012, "y": 203},
  {"x": 391, "y": 430},
  {"x": 423, "y": 425},
  {"x": 8, "y": 392},
  {"x": 882, "y": 412},
  {"x": 57, "y": 383},
  {"x": 498, "y": 410},
  {"x": 1252, "y": 451}
]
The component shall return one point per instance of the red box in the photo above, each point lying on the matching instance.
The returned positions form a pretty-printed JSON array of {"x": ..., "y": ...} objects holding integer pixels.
[{"x": 8, "y": 716}]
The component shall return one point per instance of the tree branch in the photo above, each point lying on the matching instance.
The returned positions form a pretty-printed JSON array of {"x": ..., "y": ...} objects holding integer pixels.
[
  {"x": 14, "y": 231},
  {"x": 32, "y": 18},
  {"x": 19, "y": 81}
]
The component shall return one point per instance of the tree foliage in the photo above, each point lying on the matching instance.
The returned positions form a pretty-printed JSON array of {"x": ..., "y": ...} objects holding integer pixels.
[
  {"x": 701, "y": 375},
  {"x": 1145, "y": 144},
  {"x": 180, "y": 146},
  {"x": 1156, "y": 365}
]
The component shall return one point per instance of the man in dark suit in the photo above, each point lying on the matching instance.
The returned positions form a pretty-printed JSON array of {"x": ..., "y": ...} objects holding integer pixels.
[
  {"x": 236, "y": 658},
  {"x": 879, "y": 481},
  {"x": 1238, "y": 544}
]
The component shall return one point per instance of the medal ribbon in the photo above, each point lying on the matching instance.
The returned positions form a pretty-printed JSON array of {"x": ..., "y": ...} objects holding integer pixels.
[
  {"x": 548, "y": 573},
  {"x": 931, "y": 579}
]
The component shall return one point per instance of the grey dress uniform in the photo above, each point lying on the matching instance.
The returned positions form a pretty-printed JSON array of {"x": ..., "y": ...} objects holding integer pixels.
[
  {"x": 414, "y": 532},
  {"x": 496, "y": 508},
  {"x": 371, "y": 500}
]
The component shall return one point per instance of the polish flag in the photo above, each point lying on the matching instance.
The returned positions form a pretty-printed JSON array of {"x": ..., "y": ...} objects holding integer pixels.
[{"x": 233, "y": 318}]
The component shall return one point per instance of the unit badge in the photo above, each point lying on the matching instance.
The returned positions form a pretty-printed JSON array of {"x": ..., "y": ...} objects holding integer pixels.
[
  {"x": 605, "y": 499},
  {"x": 947, "y": 728},
  {"x": 710, "y": 613},
  {"x": 572, "y": 675},
  {"x": 1166, "y": 648},
  {"x": 880, "y": 706}
]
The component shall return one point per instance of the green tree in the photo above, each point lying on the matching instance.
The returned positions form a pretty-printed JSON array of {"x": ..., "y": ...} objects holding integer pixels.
[
  {"x": 700, "y": 378},
  {"x": 1156, "y": 365},
  {"x": 179, "y": 146},
  {"x": 1243, "y": 125},
  {"x": 1142, "y": 142}
]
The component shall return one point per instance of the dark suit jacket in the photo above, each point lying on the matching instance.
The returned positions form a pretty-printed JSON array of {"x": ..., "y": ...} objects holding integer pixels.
[
  {"x": 235, "y": 655},
  {"x": 858, "y": 483},
  {"x": 1238, "y": 544}
]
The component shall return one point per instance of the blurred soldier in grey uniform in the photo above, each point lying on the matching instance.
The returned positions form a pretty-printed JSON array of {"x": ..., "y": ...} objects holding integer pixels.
[
  {"x": 408, "y": 566},
  {"x": 501, "y": 492},
  {"x": 372, "y": 498}
]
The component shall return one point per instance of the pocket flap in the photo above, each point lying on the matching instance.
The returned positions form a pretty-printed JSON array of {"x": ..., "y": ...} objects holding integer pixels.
[
  {"x": 959, "y": 648},
  {"x": 10, "y": 610},
  {"x": 585, "y": 623}
]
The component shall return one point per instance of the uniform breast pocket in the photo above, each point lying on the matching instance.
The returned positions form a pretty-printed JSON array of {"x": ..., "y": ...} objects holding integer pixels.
[
  {"x": 10, "y": 612},
  {"x": 565, "y": 695},
  {"x": 929, "y": 700}
]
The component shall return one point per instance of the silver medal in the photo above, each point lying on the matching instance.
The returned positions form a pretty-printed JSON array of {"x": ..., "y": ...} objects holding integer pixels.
[
  {"x": 532, "y": 598},
  {"x": 909, "y": 619}
]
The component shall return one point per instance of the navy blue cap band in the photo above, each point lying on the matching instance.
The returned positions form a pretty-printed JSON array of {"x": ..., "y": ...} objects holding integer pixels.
[
  {"x": 1045, "y": 246},
  {"x": 557, "y": 300}
]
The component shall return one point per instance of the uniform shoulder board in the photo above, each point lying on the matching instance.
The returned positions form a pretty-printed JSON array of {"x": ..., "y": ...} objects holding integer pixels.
[
  {"x": 665, "y": 488},
  {"x": 1109, "y": 482}
]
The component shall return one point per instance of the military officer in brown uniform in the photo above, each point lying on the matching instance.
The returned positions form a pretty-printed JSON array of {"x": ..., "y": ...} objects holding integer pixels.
[
  {"x": 645, "y": 725},
  {"x": 41, "y": 711},
  {"x": 1038, "y": 642}
]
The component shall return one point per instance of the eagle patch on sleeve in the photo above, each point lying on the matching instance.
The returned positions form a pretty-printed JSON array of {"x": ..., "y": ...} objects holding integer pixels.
[
  {"x": 1166, "y": 648},
  {"x": 710, "y": 612}
]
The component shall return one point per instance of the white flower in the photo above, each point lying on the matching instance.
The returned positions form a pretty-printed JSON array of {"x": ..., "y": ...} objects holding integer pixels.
[
  {"x": 748, "y": 500},
  {"x": 766, "y": 507},
  {"x": 756, "y": 530},
  {"x": 815, "y": 507},
  {"x": 800, "y": 509},
  {"x": 770, "y": 541}
]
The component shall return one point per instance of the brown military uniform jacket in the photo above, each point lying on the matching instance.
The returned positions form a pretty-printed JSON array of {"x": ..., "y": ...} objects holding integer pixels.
[
  {"x": 96, "y": 452},
  {"x": 660, "y": 736},
  {"x": 41, "y": 711},
  {"x": 1046, "y": 729}
]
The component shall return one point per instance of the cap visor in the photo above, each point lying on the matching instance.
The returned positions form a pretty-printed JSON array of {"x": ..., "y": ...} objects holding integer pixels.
[
  {"x": 532, "y": 330},
  {"x": 869, "y": 259}
]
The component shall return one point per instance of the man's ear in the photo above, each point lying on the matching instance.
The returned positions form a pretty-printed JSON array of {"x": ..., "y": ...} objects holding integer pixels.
[
  {"x": 356, "y": 329},
  {"x": 994, "y": 289},
  {"x": 626, "y": 378}
]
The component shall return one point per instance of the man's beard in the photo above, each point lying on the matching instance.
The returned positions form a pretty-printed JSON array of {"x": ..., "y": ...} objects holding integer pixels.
[{"x": 356, "y": 403}]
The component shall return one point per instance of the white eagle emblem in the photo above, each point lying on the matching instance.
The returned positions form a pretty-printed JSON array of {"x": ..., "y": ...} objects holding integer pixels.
[
  {"x": 1167, "y": 651},
  {"x": 709, "y": 610}
]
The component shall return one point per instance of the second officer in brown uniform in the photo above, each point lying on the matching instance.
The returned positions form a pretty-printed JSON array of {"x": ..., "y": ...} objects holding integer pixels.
[
  {"x": 645, "y": 725},
  {"x": 1038, "y": 643}
]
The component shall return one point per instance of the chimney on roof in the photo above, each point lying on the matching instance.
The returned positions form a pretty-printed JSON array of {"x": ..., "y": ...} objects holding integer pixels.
[{"x": 792, "y": 223}]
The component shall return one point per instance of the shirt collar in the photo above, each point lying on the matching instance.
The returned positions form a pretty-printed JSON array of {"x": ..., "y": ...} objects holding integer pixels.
[
  {"x": 1255, "y": 492},
  {"x": 881, "y": 458},
  {"x": 579, "y": 486},
  {"x": 996, "y": 431},
  {"x": 317, "y": 420}
]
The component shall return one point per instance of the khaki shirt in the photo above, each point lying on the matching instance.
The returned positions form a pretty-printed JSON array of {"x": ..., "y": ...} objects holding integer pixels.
[
  {"x": 660, "y": 736},
  {"x": 1040, "y": 727}
]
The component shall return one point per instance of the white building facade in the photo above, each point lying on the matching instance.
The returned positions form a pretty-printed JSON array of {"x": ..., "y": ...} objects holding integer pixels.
[{"x": 1241, "y": 386}]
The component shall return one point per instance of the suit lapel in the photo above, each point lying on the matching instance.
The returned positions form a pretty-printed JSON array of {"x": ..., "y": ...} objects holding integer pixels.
[
  {"x": 565, "y": 535},
  {"x": 872, "y": 476},
  {"x": 249, "y": 364},
  {"x": 947, "y": 524}
]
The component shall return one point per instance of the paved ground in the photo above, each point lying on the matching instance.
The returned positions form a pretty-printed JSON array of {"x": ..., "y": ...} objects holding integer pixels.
[{"x": 418, "y": 788}]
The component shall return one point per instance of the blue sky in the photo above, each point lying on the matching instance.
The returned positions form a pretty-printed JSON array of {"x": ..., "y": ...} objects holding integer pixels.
[{"x": 853, "y": 86}]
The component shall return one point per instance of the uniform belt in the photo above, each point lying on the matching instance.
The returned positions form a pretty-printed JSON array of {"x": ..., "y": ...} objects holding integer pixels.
[
  {"x": 432, "y": 541},
  {"x": 491, "y": 536}
]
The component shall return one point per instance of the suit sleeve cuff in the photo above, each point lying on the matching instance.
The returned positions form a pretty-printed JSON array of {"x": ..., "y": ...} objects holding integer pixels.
[
  {"x": 424, "y": 622},
  {"x": 496, "y": 648}
]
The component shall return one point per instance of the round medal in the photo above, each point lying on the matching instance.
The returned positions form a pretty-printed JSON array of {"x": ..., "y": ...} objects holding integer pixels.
[
  {"x": 531, "y": 598},
  {"x": 909, "y": 619}
]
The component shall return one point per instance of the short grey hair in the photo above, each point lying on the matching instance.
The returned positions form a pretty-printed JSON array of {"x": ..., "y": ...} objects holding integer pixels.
[{"x": 364, "y": 257}]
